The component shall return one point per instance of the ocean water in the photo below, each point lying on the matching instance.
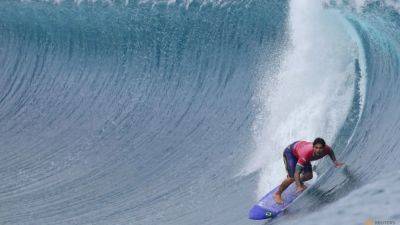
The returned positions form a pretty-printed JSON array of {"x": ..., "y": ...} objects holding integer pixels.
[{"x": 177, "y": 112}]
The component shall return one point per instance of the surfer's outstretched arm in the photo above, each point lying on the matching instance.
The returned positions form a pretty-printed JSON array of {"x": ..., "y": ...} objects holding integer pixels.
[
  {"x": 333, "y": 158},
  {"x": 332, "y": 155}
]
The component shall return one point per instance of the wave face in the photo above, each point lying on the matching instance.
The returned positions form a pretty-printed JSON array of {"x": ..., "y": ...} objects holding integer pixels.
[
  {"x": 127, "y": 112},
  {"x": 138, "y": 113}
]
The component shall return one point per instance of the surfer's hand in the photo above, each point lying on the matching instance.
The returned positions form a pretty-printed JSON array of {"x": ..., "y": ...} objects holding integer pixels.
[
  {"x": 338, "y": 164},
  {"x": 301, "y": 188}
]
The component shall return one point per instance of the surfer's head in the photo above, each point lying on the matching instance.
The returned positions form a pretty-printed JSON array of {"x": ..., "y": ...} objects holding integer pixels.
[{"x": 319, "y": 145}]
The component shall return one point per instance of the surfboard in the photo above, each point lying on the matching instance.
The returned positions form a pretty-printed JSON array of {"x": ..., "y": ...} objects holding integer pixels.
[{"x": 267, "y": 208}]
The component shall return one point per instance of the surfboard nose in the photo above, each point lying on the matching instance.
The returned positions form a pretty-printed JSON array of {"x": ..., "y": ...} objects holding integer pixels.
[{"x": 259, "y": 213}]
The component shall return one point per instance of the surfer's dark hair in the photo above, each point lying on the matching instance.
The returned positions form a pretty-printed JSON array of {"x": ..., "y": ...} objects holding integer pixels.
[{"x": 319, "y": 141}]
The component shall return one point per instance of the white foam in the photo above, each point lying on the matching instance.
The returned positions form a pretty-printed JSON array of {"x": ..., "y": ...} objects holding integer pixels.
[{"x": 312, "y": 93}]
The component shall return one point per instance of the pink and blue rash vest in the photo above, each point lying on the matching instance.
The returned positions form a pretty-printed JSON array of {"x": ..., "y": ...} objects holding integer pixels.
[{"x": 303, "y": 151}]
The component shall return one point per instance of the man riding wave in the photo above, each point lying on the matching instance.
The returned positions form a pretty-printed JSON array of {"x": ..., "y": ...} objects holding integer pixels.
[{"x": 297, "y": 158}]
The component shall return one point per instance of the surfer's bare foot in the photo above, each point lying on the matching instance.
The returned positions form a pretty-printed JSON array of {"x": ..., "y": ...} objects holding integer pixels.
[
  {"x": 301, "y": 188},
  {"x": 278, "y": 198}
]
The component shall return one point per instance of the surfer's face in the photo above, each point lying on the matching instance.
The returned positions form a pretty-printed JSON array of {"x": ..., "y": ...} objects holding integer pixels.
[{"x": 318, "y": 149}]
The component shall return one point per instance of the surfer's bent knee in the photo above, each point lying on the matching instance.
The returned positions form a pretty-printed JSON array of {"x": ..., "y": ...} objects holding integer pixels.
[{"x": 307, "y": 176}]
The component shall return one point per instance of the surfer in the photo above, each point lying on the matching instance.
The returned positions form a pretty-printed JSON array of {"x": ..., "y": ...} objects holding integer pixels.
[{"x": 297, "y": 158}]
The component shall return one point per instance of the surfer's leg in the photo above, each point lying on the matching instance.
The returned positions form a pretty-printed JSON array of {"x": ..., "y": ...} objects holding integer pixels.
[
  {"x": 278, "y": 195},
  {"x": 285, "y": 184},
  {"x": 290, "y": 164},
  {"x": 307, "y": 173},
  {"x": 306, "y": 176}
]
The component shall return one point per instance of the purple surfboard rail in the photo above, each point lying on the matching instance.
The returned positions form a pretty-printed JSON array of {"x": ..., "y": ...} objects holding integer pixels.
[{"x": 267, "y": 208}]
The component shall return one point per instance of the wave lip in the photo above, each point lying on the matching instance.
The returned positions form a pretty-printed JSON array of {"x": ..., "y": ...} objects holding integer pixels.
[{"x": 358, "y": 192}]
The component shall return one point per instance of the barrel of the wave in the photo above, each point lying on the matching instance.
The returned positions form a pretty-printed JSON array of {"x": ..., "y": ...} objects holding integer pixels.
[{"x": 267, "y": 208}]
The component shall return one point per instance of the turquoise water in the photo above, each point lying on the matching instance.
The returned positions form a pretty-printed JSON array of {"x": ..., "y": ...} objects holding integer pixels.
[{"x": 128, "y": 112}]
